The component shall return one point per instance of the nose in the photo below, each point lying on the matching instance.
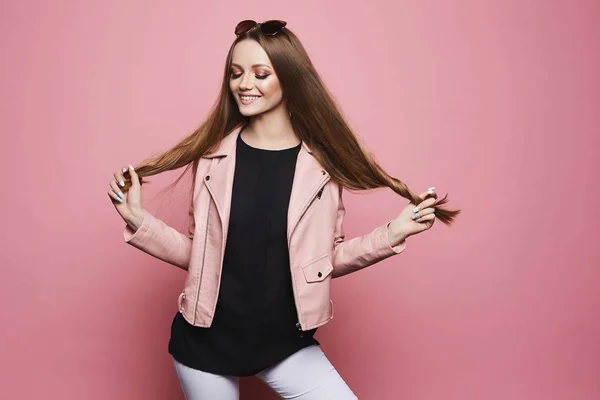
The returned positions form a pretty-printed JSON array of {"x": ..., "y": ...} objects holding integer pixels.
[{"x": 246, "y": 82}]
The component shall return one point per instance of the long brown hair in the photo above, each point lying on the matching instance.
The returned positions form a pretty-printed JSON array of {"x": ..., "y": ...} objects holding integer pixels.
[{"x": 315, "y": 118}]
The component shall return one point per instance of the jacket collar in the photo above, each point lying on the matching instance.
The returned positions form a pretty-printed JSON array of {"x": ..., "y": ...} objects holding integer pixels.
[
  {"x": 309, "y": 177},
  {"x": 227, "y": 145}
]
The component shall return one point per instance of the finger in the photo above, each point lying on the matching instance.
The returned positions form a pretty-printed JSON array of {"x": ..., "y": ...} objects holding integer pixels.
[
  {"x": 427, "y": 202},
  {"x": 424, "y": 204},
  {"x": 114, "y": 197},
  {"x": 422, "y": 213},
  {"x": 429, "y": 217},
  {"x": 431, "y": 192},
  {"x": 135, "y": 182},
  {"x": 116, "y": 190},
  {"x": 423, "y": 195},
  {"x": 119, "y": 178}
]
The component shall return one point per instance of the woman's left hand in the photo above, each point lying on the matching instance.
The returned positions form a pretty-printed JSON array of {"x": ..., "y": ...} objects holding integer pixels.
[{"x": 413, "y": 219}]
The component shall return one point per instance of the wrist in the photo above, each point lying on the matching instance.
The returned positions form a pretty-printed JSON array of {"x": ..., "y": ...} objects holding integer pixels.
[
  {"x": 395, "y": 235},
  {"x": 135, "y": 219}
]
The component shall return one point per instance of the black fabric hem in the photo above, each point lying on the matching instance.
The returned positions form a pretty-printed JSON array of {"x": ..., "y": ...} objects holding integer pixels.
[{"x": 239, "y": 372}]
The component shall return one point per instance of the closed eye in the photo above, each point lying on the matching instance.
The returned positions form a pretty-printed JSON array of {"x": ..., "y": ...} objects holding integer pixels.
[{"x": 235, "y": 76}]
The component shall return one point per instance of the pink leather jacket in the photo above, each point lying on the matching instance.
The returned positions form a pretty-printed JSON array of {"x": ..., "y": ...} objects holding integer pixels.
[{"x": 317, "y": 249}]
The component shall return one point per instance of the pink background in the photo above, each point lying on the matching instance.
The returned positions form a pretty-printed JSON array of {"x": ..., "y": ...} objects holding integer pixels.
[{"x": 494, "y": 102}]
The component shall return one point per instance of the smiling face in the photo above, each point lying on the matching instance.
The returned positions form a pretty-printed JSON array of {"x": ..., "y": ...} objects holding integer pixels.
[{"x": 253, "y": 82}]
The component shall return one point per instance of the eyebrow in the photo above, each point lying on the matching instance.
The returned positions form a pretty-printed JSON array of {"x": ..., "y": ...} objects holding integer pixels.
[{"x": 255, "y": 65}]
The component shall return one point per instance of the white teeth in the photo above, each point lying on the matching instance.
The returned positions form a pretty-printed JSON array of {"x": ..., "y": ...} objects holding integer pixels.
[{"x": 248, "y": 98}]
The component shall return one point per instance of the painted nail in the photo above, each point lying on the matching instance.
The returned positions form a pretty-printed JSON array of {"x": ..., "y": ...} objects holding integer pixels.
[
  {"x": 431, "y": 189},
  {"x": 124, "y": 169},
  {"x": 417, "y": 209},
  {"x": 120, "y": 200},
  {"x": 121, "y": 182},
  {"x": 131, "y": 168},
  {"x": 414, "y": 216},
  {"x": 120, "y": 194}
]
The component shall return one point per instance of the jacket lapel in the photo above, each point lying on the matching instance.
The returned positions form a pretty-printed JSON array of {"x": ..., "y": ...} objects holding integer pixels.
[
  {"x": 221, "y": 173},
  {"x": 309, "y": 177},
  {"x": 308, "y": 180}
]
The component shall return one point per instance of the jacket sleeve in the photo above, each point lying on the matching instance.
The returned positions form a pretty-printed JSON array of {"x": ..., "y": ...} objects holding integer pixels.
[
  {"x": 162, "y": 241},
  {"x": 360, "y": 252}
]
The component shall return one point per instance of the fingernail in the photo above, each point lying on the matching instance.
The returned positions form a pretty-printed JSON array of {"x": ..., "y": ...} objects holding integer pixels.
[
  {"x": 120, "y": 200},
  {"x": 121, "y": 182},
  {"x": 414, "y": 216},
  {"x": 131, "y": 168},
  {"x": 431, "y": 189},
  {"x": 124, "y": 169},
  {"x": 416, "y": 209},
  {"x": 120, "y": 194}
]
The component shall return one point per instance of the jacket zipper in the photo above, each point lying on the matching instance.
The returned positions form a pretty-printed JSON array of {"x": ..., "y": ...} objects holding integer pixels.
[
  {"x": 221, "y": 258},
  {"x": 299, "y": 327},
  {"x": 203, "y": 258},
  {"x": 315, "y": 197}
]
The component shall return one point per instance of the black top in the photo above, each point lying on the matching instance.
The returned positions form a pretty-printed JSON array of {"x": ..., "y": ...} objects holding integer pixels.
[{"x": 254, "y": 326}]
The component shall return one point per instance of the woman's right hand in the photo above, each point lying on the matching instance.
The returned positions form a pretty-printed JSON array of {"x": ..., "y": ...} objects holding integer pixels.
[{"x": 129, "y": 203}]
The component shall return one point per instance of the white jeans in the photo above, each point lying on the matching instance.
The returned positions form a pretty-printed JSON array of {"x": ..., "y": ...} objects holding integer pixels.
[{"x": 305, "y": 375}]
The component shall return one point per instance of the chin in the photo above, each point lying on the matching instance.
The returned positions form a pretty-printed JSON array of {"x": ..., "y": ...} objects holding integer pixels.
[{"x": 250, "y": 113}]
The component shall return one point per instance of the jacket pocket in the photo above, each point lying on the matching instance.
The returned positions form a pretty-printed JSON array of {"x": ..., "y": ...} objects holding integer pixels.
[{"x": 318, "y": 270}]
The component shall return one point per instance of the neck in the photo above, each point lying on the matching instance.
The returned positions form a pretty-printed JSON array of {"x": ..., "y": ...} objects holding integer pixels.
[{"x": 271, "y": 130}]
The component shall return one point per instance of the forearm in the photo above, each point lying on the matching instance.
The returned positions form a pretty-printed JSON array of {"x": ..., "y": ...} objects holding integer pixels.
[
  {"x": 363, "y": 251},
  {"x": 159, "y": 240}
]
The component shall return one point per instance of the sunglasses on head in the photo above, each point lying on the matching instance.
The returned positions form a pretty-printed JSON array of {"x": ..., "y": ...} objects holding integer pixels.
[{"x": 270, "y": 27}]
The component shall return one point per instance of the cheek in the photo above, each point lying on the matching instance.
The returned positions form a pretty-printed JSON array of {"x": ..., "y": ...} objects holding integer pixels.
[
  {"x": 234, "y": 86},
  {"x": 271, "y": 88}
]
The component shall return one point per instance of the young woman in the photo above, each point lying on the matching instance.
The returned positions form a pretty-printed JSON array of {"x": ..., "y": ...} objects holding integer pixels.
[{"x": 265, "y": 235}]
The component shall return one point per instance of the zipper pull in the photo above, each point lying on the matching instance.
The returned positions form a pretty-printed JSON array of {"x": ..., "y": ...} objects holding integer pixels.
[
  {"x": 320, "y": 193},
  {"x": 299, "y": 327}
]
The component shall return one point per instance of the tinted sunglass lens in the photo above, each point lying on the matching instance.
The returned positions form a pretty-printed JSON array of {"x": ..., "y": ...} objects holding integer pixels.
[
  {"x": 272, "y": 27},
  {"x": 244, "y": 26}
]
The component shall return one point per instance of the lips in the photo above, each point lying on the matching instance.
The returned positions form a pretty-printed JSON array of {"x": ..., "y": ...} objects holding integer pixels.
[{"x": 249, "y": 99}]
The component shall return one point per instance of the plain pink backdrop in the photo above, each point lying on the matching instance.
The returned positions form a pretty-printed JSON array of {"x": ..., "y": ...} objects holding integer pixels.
[{"x": 494, "y": 102}]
